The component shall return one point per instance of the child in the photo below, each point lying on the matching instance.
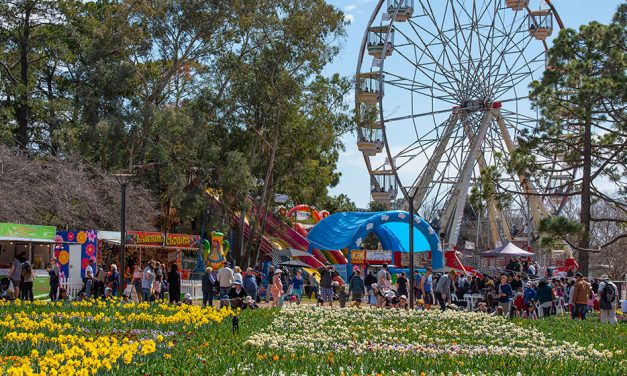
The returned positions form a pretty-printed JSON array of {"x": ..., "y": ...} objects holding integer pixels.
[
  {"x": 519, "y": 301},
  {"x": 530, "y": 313}
]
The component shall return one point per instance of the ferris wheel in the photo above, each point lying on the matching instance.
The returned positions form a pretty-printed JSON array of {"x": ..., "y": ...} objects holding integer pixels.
[{"x": 441, "y": 97}]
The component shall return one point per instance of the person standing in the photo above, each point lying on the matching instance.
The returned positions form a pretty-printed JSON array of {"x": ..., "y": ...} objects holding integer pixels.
[
  {"x": 15, "y": 274},
  {"x": 225, "y": 279},
  {"x": 277, "y": 288},
  {"x": 357, "y": 287},
  {"x": 174, "y": 284},
  {"x": 426, "y": 285},
  {"x": 53, "y": 272},
  {"x": 545, "y": 297},
  {"x": 269, "y": 279},
  {"x": 326, "y": 284},
  {"x": 369, "y": 280},
  {"x": 99, "y": 282},
  {"x": 250, "y": 284},
  {"x": 383, "y": 277},
  {"x": 581, "y": 294},
  {"x": 402, "y": 282},
  {"x": 237, "y": 275},
  {"x": 504, "y": 295},
  {"x": 313, "y": 287},
  {"x": 113, "y": 280},
  {"x": 443, "y": 289},
  {"x": 208, "y": 285},
  {"x": 608, "y": 301},
  {"x": 89, "y": 277},
  {"x": 28, "y": 277},
  {"x": 417, "y": 290},
  {"x": 297, "y": 286},
  {"x": 148, "y": 279}
]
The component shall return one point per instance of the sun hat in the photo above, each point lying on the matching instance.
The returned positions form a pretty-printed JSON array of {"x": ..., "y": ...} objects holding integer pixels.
[
  {"x": 278, "y": 271},
  {"x": 403, "y": 297},
  {"x": 187, "y": 296},
  {"x": 579, "y": 275},
  {"x": 92, "y": 258},
  {"x": 420, "y": 301},
  {"x": 225, "y": 297},
  {"x": 605, "y": 277},
  {"x": 237, "y": 283},
  {"x": 208, "y": 269}
]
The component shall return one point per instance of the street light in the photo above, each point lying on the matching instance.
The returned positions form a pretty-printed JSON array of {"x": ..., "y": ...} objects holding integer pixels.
[{"x": 123, "y": 179}]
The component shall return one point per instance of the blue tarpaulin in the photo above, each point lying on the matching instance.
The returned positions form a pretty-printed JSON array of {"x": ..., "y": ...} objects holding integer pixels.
[{"x": 348, "y": 230}]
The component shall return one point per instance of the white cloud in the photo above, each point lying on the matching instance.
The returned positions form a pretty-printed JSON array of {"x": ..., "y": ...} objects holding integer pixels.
[
  {"x": 350, "y": 8},
  {"x": 349, "y": 18}
]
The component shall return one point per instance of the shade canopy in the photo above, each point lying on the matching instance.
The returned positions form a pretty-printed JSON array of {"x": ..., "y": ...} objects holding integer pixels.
[
  {"x": 289, "y": 252},
  {"x": 294, "y": 264},
  {"x": 508, "y": 249},
  {"x": 348, "y": 231}
]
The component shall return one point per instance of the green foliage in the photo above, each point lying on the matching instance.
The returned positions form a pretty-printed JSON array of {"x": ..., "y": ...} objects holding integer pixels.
[
  {"x": 338, "y": 204},
  {"x": 554, "y": 229},
  {"x": 189, "y": 95}
]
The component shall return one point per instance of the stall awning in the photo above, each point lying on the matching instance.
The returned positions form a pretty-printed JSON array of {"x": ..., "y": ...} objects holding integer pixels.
[
  {"x": 109, "y": 236},
  {"x": 16, "y": 232}
]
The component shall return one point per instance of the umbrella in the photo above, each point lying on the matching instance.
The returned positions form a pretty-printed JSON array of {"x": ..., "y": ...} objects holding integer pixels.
[
  {"x": 294, "y": 264},
  {"x": 289, "y": 252}
]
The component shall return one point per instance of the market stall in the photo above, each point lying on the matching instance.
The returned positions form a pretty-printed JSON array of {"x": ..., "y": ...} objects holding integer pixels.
[
  {"x": 34, "y": 241},
  {"x": 180, "y": 249}
]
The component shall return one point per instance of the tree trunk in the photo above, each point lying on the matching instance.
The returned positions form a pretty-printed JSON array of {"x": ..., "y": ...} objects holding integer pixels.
[
  {"x": 583, "y": 257},
  {"x": 22, "y": 105},
  {"x": 262, "y": 203}
]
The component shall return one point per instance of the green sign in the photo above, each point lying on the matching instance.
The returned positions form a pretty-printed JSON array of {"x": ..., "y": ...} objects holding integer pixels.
[{"x": 14, "y": 230}]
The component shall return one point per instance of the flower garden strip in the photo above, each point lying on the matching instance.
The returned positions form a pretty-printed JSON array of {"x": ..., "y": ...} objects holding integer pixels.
[{"x": 90, "y": 338}]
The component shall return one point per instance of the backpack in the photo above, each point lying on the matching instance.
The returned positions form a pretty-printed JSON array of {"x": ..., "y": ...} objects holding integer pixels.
[{"x": 609, "y": 292}]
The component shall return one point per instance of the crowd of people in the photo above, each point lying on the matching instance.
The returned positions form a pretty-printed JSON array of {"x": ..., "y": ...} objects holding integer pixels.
[{"x": 518, "y": 291}]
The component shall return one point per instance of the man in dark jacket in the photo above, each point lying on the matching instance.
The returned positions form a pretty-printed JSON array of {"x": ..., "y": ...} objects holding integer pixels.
[
  {"x": 208, "y": 286},
  {"x": 326, "y": 283}
]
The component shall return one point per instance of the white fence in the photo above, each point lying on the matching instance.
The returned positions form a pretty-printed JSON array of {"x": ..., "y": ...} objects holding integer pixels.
[
  {"x": 193, "y": 287},
  {"x": 74, "y": 285}
]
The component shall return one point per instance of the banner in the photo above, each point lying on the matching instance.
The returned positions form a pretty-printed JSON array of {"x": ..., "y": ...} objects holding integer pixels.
[
  {"x": 378, "y": 257},
  {"x": 182, "y": 241},
  {"x": 14, "y": 230},
  {"x": 358, "y": 257},
  {"x": 144, "y": 238}
]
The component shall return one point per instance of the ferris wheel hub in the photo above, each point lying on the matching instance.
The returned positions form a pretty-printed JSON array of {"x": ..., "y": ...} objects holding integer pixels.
[{"x": 474, "y": 105}]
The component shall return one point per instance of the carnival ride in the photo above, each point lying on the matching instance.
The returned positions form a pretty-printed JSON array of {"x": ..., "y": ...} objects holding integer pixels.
[{"x": 441, "y": 98}]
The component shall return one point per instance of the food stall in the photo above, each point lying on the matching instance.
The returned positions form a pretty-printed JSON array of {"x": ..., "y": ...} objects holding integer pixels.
[
  {"x": 36, "y": 242},
  {"x": 142, "y": 246}
]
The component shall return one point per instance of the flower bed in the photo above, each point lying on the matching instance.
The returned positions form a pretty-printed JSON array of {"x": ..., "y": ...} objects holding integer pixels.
[{"x": 128, "y": 339}]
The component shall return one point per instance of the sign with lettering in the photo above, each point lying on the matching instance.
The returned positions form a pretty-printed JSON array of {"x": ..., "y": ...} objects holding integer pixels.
[{"x": 358, "y": 257}]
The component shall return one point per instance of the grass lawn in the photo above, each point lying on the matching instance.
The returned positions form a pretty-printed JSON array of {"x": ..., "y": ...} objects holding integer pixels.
[{"x": 163, "y": 340}]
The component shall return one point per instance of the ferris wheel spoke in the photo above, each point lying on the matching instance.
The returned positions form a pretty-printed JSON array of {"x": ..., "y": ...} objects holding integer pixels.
[
  {"x": 520, "y": 77},
  {"x": 424, "y": 68},
  {"x": 440, "y": 68}
]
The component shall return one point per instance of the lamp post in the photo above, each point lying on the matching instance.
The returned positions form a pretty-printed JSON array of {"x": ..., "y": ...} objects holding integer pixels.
[
  {"x": 123, "y": 179},
  {"x": 411, "y": 252}
]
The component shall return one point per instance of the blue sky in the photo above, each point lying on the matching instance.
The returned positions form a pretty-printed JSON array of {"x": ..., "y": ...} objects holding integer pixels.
[{"x": 355, "y": 181}]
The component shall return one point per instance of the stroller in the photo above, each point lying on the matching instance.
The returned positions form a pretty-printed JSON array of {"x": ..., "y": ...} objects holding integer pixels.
[{"x": 6, "y": 288}]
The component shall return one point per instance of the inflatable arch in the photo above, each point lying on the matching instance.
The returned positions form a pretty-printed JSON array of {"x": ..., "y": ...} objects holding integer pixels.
[{"x": 348, "y": 230}]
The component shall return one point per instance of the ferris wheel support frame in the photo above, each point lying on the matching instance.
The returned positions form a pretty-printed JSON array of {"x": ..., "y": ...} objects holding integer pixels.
[{"x": 454, "y": 208}]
